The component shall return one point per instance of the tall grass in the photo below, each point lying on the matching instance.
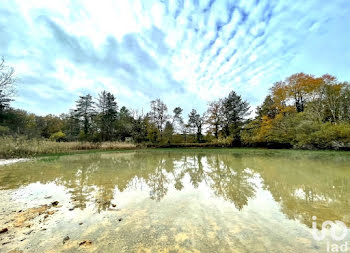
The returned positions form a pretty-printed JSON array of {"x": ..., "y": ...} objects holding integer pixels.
[{"x": 11, "y": 147}]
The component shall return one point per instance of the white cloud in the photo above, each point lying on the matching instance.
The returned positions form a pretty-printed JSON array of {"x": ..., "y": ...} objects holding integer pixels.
[{"x": 184, "y": 53}]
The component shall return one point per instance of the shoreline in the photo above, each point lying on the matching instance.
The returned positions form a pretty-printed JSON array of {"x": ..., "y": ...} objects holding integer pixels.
[
  {"x": 5, "y": 160},
  {"x": 12, "y": 160}
]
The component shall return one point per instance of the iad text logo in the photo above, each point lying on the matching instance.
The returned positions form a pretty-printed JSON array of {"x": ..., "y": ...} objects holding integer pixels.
[{"x": 337, "y": 231}]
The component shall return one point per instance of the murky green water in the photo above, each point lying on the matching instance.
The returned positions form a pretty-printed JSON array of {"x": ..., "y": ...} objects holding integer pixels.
[{"x": 178, "y": 201}]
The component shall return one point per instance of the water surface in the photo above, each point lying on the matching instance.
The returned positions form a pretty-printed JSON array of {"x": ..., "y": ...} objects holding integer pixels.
[{"x": 176, "y": 201}]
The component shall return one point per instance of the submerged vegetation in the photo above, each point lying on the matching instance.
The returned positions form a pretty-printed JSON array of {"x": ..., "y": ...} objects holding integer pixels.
[
  {"x": 303, "y": 111},
  {"x": 152, "y": 198}
]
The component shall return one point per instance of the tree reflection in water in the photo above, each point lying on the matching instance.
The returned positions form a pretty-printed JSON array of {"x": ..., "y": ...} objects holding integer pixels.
[{"x": 303, "y": 185}]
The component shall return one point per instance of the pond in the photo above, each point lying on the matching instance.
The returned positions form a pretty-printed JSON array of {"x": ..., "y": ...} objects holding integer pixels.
[{"x": 223, "y": 200}]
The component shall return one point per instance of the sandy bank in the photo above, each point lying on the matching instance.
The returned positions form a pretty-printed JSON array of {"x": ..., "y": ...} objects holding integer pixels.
[{"x": 10, "y": 161}]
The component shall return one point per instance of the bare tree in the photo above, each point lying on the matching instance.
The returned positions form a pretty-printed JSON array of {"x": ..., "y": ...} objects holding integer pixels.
[
  {"x": 159, "y": 114},
  {"x": 7, "y": 81}
]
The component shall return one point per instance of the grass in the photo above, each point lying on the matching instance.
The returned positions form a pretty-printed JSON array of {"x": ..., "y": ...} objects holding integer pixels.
[
  {"x": 23, "y": 148},
  {"x": 250, "y": 151},
  {"x": 187, "y": 145},
  {"x": 20, "y": 147}
]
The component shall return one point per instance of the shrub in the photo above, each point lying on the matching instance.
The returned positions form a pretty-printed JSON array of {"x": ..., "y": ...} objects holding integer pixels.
[
  {"x": 331, "y": 136},
  {"x": 224, "y": 142},
  {"x": 59, "y": 136},
  {"x": 4, "y": 130}
]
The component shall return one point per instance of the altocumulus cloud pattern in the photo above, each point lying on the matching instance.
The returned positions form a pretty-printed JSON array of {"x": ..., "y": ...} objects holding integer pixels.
[{"x": 184, "y": 52}]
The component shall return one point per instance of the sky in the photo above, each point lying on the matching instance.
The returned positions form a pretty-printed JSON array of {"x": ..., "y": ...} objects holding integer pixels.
[{"x": 187, "y": 53}]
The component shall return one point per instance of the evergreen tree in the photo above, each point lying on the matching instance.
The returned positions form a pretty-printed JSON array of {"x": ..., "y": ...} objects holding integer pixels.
[
  {"x": 177, "y": 118},
  {"x": 195, "y": 120},
  {"x": 234, "y": 109},
  {"x": 124, "y": 124},
  {"x": 108, "y": 110},
  {"x": 168, "y": 131},
  {"x": 139, "y": 129},
  {"x": 71, "y": 125},
  {"x": 85, "y": 111},
  {"x": 268, "y": 108}
]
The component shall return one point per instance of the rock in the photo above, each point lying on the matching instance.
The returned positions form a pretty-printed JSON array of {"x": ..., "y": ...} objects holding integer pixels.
[
  {"x": 65, "y": 239},
  {"x": 114, "y": 205},
  {"x": 46, "y": 216},
  {"x": 71, "y": 209},
  {"x": 85, "y": 243},
  {"x": 55, "y": 203},
  {"x": 120, "y": 219},
  {"x": 80, "y": 223},
  {"x": 4, "y": 230}
]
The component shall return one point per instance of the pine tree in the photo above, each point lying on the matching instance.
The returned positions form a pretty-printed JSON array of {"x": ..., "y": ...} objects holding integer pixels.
[
  {"x": 85, "y": 111},
  {"x": 196, "y": 121},
  {"x": 234, "y": 109},
  {"x": 108, "y": 110},
  {"x": 268, "y": 108}
]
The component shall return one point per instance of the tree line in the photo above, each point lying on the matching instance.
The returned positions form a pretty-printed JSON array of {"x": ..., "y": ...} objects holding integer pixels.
[{"x": 301, "y": 111}]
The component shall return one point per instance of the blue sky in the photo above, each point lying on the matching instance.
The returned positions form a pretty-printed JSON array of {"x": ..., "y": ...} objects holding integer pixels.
[{"x": 187, "y": 53}]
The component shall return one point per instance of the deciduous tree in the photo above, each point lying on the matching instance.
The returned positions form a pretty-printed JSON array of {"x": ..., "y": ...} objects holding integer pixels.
[
  {"x": 7, "y": 81},
  {"x": 159, "y": 115},
  {"x": 214, "y": 117}
]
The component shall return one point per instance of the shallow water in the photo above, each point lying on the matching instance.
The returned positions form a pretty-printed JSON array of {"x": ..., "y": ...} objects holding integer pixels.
[{"x": 176, "y": 201}]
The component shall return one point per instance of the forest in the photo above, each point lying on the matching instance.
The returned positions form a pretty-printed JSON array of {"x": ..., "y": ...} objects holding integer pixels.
[{"x": 303, "y": 111}]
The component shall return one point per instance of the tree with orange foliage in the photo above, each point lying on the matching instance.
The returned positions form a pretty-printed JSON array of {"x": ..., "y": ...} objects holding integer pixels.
[
  {"x": 299, "y": 88},
  {"x": 279, "y": 95}
]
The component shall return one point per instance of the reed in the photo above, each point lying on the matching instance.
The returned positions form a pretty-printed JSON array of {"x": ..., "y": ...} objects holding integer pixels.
[{"x": 11, "y": 147}]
